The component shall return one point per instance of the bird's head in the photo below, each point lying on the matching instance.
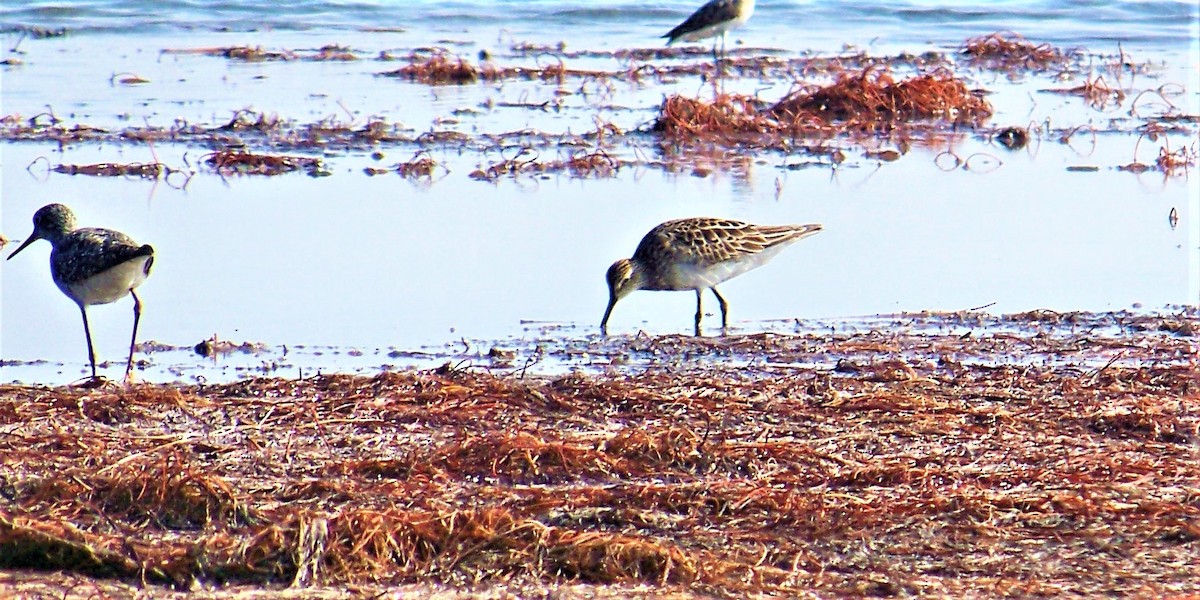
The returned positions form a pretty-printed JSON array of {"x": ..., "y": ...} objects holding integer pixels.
[
  {"x": 50, "y": 222},
  {"x": 624, "y": 277}
]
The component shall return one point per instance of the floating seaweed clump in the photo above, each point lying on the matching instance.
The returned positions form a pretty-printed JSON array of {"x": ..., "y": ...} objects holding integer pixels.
[
  {"x": 420, "y": 166},
  {"x": 438, "y": 68},
  {"x": 442, "y": 68},
  {"x": 871, "y": 99},
  {"x": 1095, "y": 91},
  {"x": 1175, "y": 162},
  {"x": 240, "y": 162},
  {"x": 48, "y": 127},
  {"x": 249, "y": 120},
  {"x": 1008, "y": 51},
  {"x": 334, "y": 52},
  {"x": 242, "y": 53},
  {"x": 144, "y": 170},
  {"x": 868, "y": 100},
  {"x": 330, "y": 52},
  {"x": 580, "y": 165},
  {"x": 726, "y": 115}
]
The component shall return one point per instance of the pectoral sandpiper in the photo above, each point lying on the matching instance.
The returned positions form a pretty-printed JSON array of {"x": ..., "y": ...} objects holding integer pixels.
[{"x": 697, "y": 254}]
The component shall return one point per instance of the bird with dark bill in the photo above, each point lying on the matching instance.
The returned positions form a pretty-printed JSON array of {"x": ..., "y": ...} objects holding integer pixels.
[
  {"x": 92, "y": 266},
  {"x": 697, "y": 254},
  {"x": 714, "y": 19}
]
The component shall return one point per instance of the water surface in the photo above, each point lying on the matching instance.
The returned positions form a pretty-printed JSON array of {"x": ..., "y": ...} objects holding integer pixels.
[{"x": 357, "y": 271}]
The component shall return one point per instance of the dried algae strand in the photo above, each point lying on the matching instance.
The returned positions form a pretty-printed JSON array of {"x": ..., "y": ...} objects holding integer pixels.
[{"x": 1039, "y": 431}]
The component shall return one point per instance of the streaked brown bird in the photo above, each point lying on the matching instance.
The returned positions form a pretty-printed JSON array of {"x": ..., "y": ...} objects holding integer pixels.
[{"x": 697, "y": 254}]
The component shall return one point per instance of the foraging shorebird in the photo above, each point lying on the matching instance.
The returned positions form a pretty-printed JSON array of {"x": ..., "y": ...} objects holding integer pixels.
[
  {"x": 715, "y": 18},
  {"x": 697, "y": 254},
  {"x": 92, "y": 266}
]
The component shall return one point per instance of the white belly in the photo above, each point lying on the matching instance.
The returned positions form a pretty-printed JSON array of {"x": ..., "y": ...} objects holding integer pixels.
[
  {"x": 110, "y": 285},
  {"x": 692, "y": 276}
]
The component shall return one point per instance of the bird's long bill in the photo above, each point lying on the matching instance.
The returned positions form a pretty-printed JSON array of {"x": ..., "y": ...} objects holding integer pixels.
[
  {"x": 29, "y": 240},
  {"x": 612, "y": 301}
]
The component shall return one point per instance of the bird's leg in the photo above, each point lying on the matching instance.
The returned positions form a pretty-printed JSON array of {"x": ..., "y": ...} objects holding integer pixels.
[
  {"x": 137, "y": 315},
  {"x": 724, "y": 308},
  {"x": 699, "y": 311},
  {"x": 87, "y": 331}
]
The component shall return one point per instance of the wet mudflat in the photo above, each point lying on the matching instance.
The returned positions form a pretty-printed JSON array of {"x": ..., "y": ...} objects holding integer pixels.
[
  {"x": 369, "y": 355},
  {"x": 1055, "y": 458}
]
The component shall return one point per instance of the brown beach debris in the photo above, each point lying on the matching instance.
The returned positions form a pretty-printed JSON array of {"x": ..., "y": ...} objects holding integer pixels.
[
  {"x": 240, "y": 162},
  {"x": 328, "y": 52},
  {"x": 883, "y": 155},
  {"x": 1009, "y": 51},
  {"x": 1039, "y": 437},
  {"x": 177, "y": 178},
  {"x": 245, "y": 128},
  {"x": 865, "y": 101},
  {"x": 39, "y": 33},
  {"x": 45, "y": 544},
  {"x": 584, "y": 164},
  {"x": 1095, "y": 91},
  {"x": 526, "y": 159},
  {"x": 726, "y": 115},
  {"x": 1176, "y": 162},
  {"x": 144, "y": 170},
  {"x": 47, "y": 126},
  {"x": 437, "y": 68},
  {"x": 214, "y": 347},
  {"x": 420, "y": 166},
  {"x": 127, "y": 79},
  {"x": 246, "y": 119},
  {"x": 872, "y": 99},
  {"x": 1169, "y": 162},
  {"x": 581, "y": 164},
  {"x": 333, "y": 52},
  {"x": 242, "y": 53},
  {"x": 441, "y": 67}
]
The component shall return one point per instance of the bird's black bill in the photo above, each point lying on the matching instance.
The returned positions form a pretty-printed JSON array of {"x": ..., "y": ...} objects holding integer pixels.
[
  {"x": 612, "y": 301},
  {"x": 31, "y": 239}
]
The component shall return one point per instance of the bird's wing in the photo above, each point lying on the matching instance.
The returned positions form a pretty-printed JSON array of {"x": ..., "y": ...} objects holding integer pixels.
[
  {"x": 88, "y": 251},
  {"x": 715, "y": 11},
  {"x": 712, "y": 240}
]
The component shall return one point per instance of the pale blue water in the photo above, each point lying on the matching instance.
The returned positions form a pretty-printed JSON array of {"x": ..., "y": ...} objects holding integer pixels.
[
  {"x": 813, "y": 25},
  {"x": 361, "y": 270}
]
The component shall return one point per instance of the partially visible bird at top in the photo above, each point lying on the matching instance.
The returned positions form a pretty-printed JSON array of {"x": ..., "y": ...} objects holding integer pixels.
[
  {"x": 92, "y": 266},
  {"x": 715, "y": 18}
]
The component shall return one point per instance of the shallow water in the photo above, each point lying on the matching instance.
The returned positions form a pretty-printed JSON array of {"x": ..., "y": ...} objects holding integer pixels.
[{"x": 363, "y": 271}]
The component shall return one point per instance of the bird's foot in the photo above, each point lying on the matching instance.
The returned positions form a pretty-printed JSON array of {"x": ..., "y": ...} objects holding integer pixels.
[{"x": 93, "y": 382}]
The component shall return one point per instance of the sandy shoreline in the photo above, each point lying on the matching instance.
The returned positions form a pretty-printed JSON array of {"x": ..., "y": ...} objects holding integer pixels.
[{"x": 889, "y": 473}]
